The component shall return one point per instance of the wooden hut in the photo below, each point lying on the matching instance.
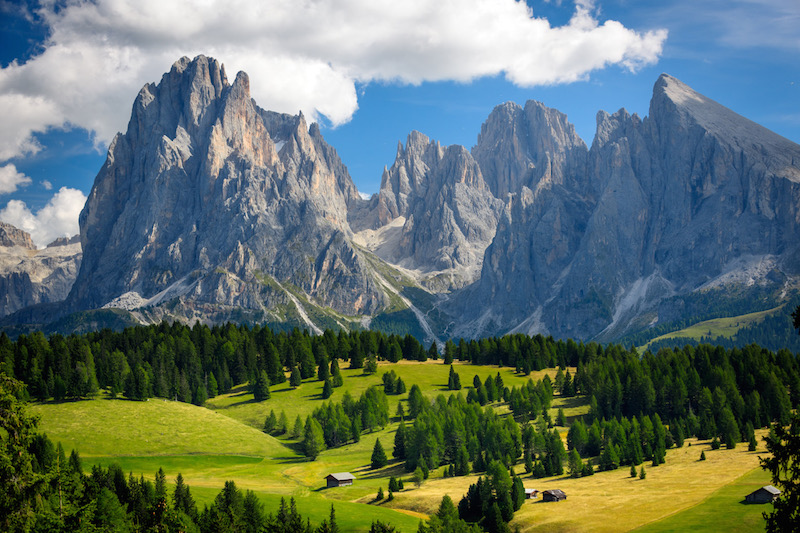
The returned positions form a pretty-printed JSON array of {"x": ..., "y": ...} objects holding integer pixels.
[
  {"x": 765, "y": 494},
  {"x": 553, "y": 495},
  {"x": 340, "y": 479},
  {"x": 530, "y": 494}
]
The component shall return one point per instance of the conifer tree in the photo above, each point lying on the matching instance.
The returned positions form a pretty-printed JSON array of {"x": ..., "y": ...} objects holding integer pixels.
[
  {"x": 261, "y": 388},
  {"x": 378, "y": 455},
  {"x": 270, "y": 422},
  {"x": 295, "y": 379},
  {"x": 400, "y": 442},
  {"x": 297, "y": 430},
  {"x": 453, "y": 381},
  {"x": 323, "y": 372},
  {"x": 283, "y": 424},
  {"x": 327, "y": 389},
  {"x": 313, "y": 439},
  {"x": 336, "y": 374},
  {"x": 212, "y": 387}
]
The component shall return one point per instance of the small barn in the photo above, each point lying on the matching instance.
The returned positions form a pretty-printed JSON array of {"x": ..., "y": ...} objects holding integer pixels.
[
  {"x": 553, "y": 495},
  {"x": 765, "y": 494},
  {"x": 340, "y": 479},
  {"x": 531, "y": 494}
]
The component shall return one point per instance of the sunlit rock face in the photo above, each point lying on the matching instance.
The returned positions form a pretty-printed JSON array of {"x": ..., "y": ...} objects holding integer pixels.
[{"x": 209, "y": 204}]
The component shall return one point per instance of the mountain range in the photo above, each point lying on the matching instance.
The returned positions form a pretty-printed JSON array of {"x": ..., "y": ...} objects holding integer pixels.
[{"x": 210, "y": 208}]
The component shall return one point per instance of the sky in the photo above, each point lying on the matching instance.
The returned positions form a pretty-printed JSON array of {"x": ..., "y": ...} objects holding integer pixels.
[{"x": 369, "y": 71}]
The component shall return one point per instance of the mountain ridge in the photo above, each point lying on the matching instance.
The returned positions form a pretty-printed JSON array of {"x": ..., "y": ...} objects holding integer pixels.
[{"x": 210, "y": 208}]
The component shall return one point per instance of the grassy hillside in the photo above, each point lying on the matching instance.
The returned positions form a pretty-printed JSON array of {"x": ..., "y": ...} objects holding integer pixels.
[
  {"x": 210, "y": 446},
  {"x": 430, "y": 375},
  {"x": 718, "y": 327},
  {"x": 723, "y": 510},
  {"x": 106, "y": 427}
]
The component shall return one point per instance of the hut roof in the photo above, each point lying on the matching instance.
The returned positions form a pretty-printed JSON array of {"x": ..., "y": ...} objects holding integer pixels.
[{"x": 341, "y": 476}]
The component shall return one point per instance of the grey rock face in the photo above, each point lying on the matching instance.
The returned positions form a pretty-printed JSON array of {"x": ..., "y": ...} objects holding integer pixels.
[
  {"x": 211, "y": 208},
  {"x": 448, "y": 213},
  {"x": 521, "y": 147},
  {"x": 11, "y": 236},
  {"x": 210, "y": 200},
  {"x": 676, "y": 202},
  {"x": 29, "y": 276}
]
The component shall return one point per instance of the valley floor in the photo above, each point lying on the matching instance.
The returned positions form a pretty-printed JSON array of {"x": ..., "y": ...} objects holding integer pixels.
[{"x": 224, "y": 441}]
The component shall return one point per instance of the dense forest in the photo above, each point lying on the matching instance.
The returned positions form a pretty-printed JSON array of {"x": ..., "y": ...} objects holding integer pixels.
[{"x": 640, "y": 404}]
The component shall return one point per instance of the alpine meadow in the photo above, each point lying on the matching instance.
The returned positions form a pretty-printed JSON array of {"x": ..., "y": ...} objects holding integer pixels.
[{"x": 369, "y": 280}]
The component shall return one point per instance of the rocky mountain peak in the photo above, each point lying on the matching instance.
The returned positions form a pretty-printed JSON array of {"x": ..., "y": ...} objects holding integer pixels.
[
  {"x": 12, "y": 236},
  {"x": 209, "y": 200},
  {"x": 525, "y": 146}
]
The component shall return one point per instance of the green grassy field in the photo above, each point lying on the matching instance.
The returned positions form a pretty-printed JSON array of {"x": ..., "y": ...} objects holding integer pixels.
[
  {"x": 210, "y": 446},
  {"x": 724, "y": 510},
  {"x": 717, "y": 327}
]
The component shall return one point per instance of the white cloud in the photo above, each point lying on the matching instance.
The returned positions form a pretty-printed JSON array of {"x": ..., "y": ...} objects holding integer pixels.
[
  {"x": 300, "y": 55},
  {"x": 47, "y": 185},
  {"x": 11, "y": 180},
  {"x": 59, "y": 218}
]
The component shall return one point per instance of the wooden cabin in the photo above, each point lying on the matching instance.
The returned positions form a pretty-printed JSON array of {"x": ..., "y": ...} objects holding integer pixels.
[
  {"x": 531, "y": 494},
  {"x": 765, "y": 494},
  {"x": 553, "y": 495},
  {"x": 340, "y": 479}
]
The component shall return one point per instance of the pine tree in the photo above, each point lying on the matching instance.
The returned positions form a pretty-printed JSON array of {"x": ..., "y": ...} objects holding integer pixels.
[
  {"x": 261, "y": 388},
  {"x": 334, "y": 527},
  {"x": 283, "y": 424},
  {"x": 297, "y": 430},
  {"x": 703, "y": 456},
  {"x": 313, "y": 439},
  {"x": 327, "y": 389},
  {"x": 453, "y": 381},
  {"x": 642, "y": 473},
  {"x": 323, "y": 372},
  {"x": 378, "y": 455},
  {"x": 213, "y": 388},
  {"x": 336, "y": 374},
  {"x": 393, "y": 485},
  {"x": 295, "y": 379},
  {"x": 270, "y": 422},
  {"x": 400, "y": 442},
  {"x": 633, "y": 470}
]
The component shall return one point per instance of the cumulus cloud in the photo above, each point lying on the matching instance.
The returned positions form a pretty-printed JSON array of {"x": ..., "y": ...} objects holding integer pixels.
[
  {"x": 305, "y": 56},
  {"x": 59, "y": 218},
  {"x": 47, "y": 185},
  {"x": 11, "y": 180}
]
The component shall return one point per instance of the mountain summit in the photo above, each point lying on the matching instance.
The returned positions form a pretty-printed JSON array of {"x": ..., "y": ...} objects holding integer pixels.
[{"x": 211, "y": 208}]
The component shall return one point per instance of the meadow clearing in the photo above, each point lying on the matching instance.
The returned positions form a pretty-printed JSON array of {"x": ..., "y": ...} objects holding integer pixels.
[{"x": 223, "y": 441}]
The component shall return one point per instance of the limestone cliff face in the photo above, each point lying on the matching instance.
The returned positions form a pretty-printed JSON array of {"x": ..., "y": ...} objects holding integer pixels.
[
  {"x": 447, "y": 215},
  {"x": 690, "y": 197},
  {"x": 208, "y": 201},
  {"x": 211, "y": 208},
  {"x": 29, "y": 276},
  {"x": 523, "y": 147}
]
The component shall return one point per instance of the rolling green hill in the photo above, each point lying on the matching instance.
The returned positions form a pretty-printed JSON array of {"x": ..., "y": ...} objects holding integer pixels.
[{"x": 212, "y": 445}]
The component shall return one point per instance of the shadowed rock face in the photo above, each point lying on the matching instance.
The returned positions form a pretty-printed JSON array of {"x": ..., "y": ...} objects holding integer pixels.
[
  {"x": 211, "y": 208},
  {"x": 29, "y": 276},
  {"x": 207, "y": 196},
  {"x": 449, "y": 214},
  {"x": 667, "y": 205}
]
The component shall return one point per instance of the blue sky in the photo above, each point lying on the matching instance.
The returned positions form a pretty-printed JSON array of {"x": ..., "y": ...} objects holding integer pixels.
[{"x": 369, "y": 71}]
